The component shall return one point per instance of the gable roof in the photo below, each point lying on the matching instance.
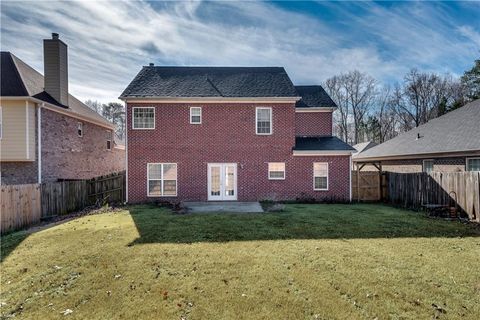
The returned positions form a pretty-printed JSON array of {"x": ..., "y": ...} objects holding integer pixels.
[
  {"x": 18, "y": 79},
  {"x": 159, "y": 81},
  {"x": 456, "y": 131},
  {"x": 314, "y": 97},
  {"x": 363, "y": 146},
  {"x": 321, "y": 143}
]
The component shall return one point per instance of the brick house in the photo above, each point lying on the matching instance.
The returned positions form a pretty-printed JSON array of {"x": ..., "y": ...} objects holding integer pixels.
[
  {"x": 449, "y": 143},
  {"x": 231, "y": 133},
  {"x": 46, "y": 134}
]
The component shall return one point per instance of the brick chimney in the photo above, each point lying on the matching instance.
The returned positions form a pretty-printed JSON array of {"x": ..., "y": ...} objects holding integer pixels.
[{"x": 55, "y": 63}]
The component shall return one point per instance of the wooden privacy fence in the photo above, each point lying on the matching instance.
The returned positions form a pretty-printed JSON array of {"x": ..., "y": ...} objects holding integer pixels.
[
  {"x": 20, "y": 206},
  {"x": 368, "y": 185},
  {"x": 413, "y": 190},
  {"x": 24, "y": 205}
]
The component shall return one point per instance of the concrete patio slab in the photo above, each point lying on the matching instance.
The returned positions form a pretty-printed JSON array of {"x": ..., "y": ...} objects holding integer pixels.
[{"x": 223, "y": 206}]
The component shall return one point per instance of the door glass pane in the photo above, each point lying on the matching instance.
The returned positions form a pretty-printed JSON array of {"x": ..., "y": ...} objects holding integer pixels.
[
  {"x": 229, "y": 180},
  {"x": 215, "y": 181}
]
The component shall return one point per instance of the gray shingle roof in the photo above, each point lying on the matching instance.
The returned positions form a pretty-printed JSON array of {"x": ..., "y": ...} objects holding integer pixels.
[
  {"x": 20, "y": 80},
  {"x": 314, "y": 97},
  {"x": 363, "y": 146},
  {"x": 456, "y": 131},
  {"x": 159, "y": 81},
  {"x": 321, "y": 143}
]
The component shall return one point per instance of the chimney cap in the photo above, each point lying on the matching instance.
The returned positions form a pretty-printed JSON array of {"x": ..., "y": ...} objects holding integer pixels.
[
  {"x": 151, "y": 64},
  {"x": 55, "y": 36}
]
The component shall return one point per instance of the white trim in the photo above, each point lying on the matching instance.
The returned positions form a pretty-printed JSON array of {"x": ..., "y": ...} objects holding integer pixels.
[
  {"x": 162, "y": 180},
  {"x": 222, "y": 196},
  {"x": 126, "y": 154},
  {"x": 191, "y": 115},
  {"x": 466, "y": 162},
  {"x": 110, "y": 133},
  {"x": 446, "y": 154},
  {"x": 256, "y": 121},
  {"x": 80, "y": 124},
  {"x": 27, "y": 130},
  {"x": 133, "y": 120},
  {"x": 308, "y": 153},
  {"x": 61, "y": 110},
  {"x": 1, "y": 122},
  {"x": 210, "y": 99},
  {"x": 328, "y": 174},
  {"x": 39, "y": 142},
  {"x": 423, "y": 164},
  {"x": 350, "y": 177},
  {"x": 284, "y": 171},
  {"x": 309, "y": 110}
]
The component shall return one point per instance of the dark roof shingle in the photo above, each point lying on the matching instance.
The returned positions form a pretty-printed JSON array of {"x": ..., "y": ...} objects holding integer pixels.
[
  {"x": 314, "y": 97},
  {"x": 153, "y": 81},
  {"x": 11, "y": 84},
  {"x": 321, "y": 143}
]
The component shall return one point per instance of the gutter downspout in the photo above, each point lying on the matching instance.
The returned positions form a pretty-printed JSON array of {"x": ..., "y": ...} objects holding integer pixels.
[
  {"x": 39, "y": 140},
  {"x": 350, "y": 173},
  {"x": 126, "y": 152}
]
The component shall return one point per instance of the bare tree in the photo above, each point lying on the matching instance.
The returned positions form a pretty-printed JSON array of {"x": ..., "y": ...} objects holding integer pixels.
[
  {"x": 94, "y": 105},
  {"x": 386, "y": 115},
  {"x": 334, "y": 87}
]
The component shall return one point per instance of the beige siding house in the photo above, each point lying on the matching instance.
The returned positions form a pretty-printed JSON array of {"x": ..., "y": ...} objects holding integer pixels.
[{"x": 46, "y": 134}]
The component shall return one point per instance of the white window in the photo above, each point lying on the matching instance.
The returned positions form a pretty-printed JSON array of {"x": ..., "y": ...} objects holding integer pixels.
[
  {"x": 320, "y": 176},
  {"x": 473, "y": 164},
  {"x": 109, "y": 139},
  {"x": 427, "y": 166},
  {"x": 276, "y": 170},
  {"x": 263, "y": 120},
  {"x": 143, "y": 118},
  {"x": 80, "y": 129},
  {"x": 1, "y": 123},
  {"x": 162, "y": 179},
  {"x": 195, "y": 115}
]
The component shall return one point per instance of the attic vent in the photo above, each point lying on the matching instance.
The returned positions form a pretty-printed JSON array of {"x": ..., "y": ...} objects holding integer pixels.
[
  {"x": 151, "y": 64},
  {"x": 418, "y": 136}
]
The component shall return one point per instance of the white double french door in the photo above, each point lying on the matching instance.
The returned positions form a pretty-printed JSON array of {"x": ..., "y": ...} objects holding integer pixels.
[{"x": 222, "y": 181}]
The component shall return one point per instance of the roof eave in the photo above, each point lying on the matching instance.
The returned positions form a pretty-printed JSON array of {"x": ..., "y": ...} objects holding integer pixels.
[
  {"x": 322, "y": 152},
  {"x": 153, "y": 99},
  {"x": 443, "y": 154}
]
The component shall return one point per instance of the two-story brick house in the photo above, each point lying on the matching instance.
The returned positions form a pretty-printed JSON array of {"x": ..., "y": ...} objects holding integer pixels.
[{"x": 231, "y": 133}]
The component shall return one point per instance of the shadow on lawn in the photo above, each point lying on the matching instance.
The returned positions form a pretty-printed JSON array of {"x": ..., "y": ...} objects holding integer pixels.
[
  {"x": 9, "y": 242},
  {"x": 329, "y": 221}
]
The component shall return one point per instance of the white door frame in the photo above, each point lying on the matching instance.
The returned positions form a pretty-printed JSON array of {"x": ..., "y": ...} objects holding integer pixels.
[{"x": 222, "y": 196}]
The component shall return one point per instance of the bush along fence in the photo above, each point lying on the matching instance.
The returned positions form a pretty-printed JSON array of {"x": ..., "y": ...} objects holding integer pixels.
[
  {"x": 459, "y": 190},
  {"x": 25, "y": 205}
]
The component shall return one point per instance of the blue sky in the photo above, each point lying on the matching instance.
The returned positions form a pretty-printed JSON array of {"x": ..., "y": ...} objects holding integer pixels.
[{"x": 110, "y": 41}]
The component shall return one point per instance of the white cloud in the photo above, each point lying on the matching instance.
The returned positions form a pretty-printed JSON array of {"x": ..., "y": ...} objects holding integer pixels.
[{"x": 110, "y": 41}]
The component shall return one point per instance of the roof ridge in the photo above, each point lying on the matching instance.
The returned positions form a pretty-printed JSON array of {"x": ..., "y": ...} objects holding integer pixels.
[{"x": 11, "y": 56}]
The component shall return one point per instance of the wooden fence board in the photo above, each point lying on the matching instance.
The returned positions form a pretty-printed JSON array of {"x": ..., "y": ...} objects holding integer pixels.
[{"x": 20, "y": 206}]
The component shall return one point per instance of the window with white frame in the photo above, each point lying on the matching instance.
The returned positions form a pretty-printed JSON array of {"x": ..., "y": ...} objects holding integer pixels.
[
  {"x": 1, "y": 123},
  {"x": 195, "y": 115},
  {"x": 80, "y": 129},
  {"x": 109, "y": 139},
  {"x": 320, "y": 176},
  {"x": 473, "y": 164},
  {"x": 276, "y": 170},
  {"x": 162, "y": 179},
  {"x": 143, "y": 118},
  {"x": 427, "y": 166},
  {"x": 263, "y": 120}
]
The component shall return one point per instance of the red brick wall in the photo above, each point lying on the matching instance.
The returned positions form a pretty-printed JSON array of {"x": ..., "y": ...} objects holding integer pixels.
[
  {"x": 313, "y": 123},
  {"x": 65, "y": 155},
  {"x": 227, "y": 134}
]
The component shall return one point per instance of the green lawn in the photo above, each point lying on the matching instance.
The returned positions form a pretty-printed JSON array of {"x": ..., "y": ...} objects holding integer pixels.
[{"x": 309, "y": 262}]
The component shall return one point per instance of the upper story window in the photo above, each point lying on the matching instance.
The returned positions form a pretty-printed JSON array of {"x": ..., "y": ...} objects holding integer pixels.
[
  {"x": 276, "y": 170},
  {"x": 320, "y": 176},
  {"x": 80, "y": 129},
  {"x": 427, "y": 166},
  {"x": 195, "y": 115},
  {"x": 263, "y": 120},
  {"x": 473, "y": 164},
  {"x": 143, "y": 118},
  {"x": 162, "y": 179},
  {"x": 109, "y": 139}
]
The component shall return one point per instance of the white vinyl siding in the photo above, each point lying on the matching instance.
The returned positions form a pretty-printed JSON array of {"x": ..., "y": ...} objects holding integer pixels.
[
  {"x": 320, "y": 176},
  {"x": 195, "y": 115},
  {"x": 276, "y": 170},
  {"x": 162, "y": 179},
  {"x": 1, "y": 127},
  {"x": 427, "y": 166},
  {"x": 473, "y": 164},
  {"x": 263, "y": 121},
  {"x": 143, "y": 118}
]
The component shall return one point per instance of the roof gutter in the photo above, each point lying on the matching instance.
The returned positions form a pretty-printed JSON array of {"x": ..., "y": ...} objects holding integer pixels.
[
  {"x": 315, "y": 109},
  {"x": 313, "y": 153},
  {"x": 420, "y": 156},
  {"x": 55, "y": 108},
  {"x": 158, "y": 99}
]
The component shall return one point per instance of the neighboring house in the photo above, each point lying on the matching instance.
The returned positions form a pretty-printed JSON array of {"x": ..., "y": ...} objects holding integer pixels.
[
  {"x": 448, "y": 143},
  {"x": 361, "y": 147},
  {"x": 46, "y": 134},
  {"x": 231, "y": 133}
]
